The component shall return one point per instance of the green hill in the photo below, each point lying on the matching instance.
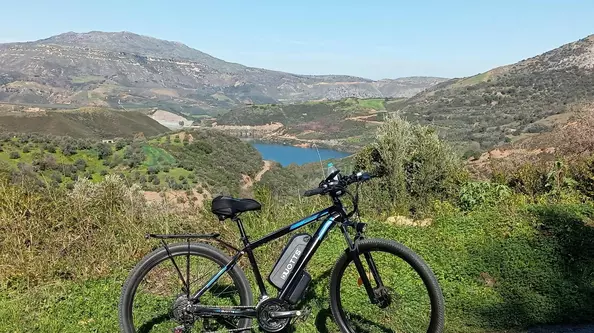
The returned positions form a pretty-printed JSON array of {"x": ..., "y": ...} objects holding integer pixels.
[
  {"x": 209, "y": 161},
  {"x": 509, "y": 102},
  {"x": 82, "y": 123}
]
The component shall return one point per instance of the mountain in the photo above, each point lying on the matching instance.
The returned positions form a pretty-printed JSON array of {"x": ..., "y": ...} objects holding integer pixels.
[
  {"x": 122, "y": 69},
  {"x": 509, "y": 102}
]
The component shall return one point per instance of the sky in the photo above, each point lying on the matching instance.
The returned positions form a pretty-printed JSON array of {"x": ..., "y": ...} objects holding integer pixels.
[{"x": 372, "y": 39}]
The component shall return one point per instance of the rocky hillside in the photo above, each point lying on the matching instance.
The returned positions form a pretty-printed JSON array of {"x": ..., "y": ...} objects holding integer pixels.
[
  {"x": 123, "y": 69},
  {"x": 510, "y": 102}
]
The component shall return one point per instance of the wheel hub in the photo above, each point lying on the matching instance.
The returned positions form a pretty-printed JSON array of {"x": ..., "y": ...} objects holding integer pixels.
[
  {"x": 180, "y": 310},
  {"x": 382, "y": 295}
]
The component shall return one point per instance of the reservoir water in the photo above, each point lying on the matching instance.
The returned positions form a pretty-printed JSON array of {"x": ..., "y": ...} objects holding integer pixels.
[{"x": 286, "y": 155}]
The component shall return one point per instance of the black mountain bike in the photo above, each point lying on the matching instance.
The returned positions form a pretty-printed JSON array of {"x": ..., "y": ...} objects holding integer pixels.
[{"x": 377, "y": 285}]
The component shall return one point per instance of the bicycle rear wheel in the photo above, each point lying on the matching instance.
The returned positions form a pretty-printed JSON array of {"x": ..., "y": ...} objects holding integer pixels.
[
  {"x": 153, "y": 297},
  {"x": 412, "y": 298}
]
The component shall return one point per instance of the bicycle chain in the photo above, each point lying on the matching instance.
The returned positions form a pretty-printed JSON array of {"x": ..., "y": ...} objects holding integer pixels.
[
  {"x": 303, "y": 318},
  {"x": 254, "y": 321}
]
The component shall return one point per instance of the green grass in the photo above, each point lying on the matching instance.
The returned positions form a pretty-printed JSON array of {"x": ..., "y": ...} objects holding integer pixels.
[
  {"x": 153, "y": 154},
  {"x": 86, "y": 79},
  {"x": 534, "y": 282},
  {"x": 374, "y": 103}
]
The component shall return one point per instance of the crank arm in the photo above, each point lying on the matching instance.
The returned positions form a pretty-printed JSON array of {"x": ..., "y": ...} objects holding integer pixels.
[{"x": 285, "y": 314}]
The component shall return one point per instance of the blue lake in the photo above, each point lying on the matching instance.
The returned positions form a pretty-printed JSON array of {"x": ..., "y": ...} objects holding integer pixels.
[{"x": 286, "y": 155}]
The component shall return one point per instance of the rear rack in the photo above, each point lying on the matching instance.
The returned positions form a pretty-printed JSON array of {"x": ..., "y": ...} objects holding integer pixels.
[
  {"x": 183, "y": 236},
  {"x": 214, "y": 236}
]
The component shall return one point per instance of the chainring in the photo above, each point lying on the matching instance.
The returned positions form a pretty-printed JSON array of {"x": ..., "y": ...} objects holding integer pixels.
[{"x": 267, "y": 323}]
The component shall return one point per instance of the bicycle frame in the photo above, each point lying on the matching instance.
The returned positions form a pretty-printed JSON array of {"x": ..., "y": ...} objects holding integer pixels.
[{"x": 333, "y": 215}]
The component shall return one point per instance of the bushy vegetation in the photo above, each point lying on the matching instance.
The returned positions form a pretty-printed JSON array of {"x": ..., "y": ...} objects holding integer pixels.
[
  {"x": 491, "y": 108},
  {"x": 506, "y": 257},
  {"x": 215, "y": 161},
  {"x": 417, "y": 166}
]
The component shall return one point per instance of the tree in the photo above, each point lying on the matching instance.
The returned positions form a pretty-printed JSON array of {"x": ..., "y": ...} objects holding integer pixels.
[
  {"x": 68, "y": 150},
  {"x": 103, "y": 150},
  {"x": 80, "y": 164},
  {"x": 120, "y": 144}
]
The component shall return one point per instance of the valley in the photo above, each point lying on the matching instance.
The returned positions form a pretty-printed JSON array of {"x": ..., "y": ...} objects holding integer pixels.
[{"x": 105, "y": 137}]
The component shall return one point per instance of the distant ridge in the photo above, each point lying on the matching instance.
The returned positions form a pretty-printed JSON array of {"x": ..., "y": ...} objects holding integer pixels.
[{"x": 117, "y": 69}]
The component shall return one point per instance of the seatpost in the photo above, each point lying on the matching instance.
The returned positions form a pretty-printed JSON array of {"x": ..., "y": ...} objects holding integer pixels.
[{"x": 244, "y": 237}]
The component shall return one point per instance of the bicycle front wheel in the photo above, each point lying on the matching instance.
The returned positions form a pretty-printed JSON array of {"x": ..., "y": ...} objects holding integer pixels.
[{"x": 408, "y": 296}]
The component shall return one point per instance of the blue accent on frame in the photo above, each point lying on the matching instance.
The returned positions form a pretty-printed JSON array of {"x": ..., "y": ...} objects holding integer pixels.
[
  {"x": 325, "y": 227},
  {"x": 308, "y": 219},
  {"x": 216, "y": 277}
]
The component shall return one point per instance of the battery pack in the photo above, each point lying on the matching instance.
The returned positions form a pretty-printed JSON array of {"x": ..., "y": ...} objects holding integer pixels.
[{"x": 286, "y": 263}]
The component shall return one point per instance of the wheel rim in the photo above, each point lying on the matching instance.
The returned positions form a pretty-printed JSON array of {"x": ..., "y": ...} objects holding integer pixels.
[{"x": 158, "y": 298}]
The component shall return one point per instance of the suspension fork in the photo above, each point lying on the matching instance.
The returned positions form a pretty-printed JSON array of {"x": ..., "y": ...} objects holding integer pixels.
[{"x": 353, "y": 253}]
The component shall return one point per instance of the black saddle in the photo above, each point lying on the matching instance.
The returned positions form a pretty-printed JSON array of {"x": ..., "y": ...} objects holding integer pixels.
[{"x": 227, "y": 207}]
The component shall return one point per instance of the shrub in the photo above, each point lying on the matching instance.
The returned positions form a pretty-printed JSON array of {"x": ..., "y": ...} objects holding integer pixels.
[
  {"x": 474, "y": 194},
  {"x": 56, "y": 177},
  {"x": 153, "y": 170},
  {"x": 15, "y": 155},
  {"x": 26, "y": 149},
  {"x": 103, "y": 151},
  {"x": 80, "y": 164},
  {"x": 582, "y": 171},
  {"x": 417, "y": 166},
  {"x": 68, "y": 150},
  {"x": 120, "y": 144}
]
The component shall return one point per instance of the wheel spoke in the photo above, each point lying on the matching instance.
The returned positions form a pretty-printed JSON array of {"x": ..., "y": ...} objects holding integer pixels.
[
  {"x": 402, "y": 299},
  {"x": 156, "y": 304}
]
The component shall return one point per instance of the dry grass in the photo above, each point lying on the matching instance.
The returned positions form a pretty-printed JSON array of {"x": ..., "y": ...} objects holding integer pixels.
[{"x": 47, "y": 233}]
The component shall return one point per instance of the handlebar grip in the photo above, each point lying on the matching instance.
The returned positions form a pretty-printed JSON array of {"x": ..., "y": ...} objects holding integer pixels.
[{"x": 314, "y": 191}]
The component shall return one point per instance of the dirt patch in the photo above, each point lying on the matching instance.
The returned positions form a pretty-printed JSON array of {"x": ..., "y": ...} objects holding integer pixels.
[
  {"x": 248, "y": 182},
  {"x": 178, "y": 198},
  {"x": 366, "y": 119},
  {"x": 182, "y": 136},
  {"x": 165, "y": 92},
  {"x": 267, "y": 166},
  {"x": 169, "y": 117},
  {"x": 272, "y": 127}
]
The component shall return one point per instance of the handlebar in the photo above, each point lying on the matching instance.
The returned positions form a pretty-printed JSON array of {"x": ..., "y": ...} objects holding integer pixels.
[{"x": 329, "y": 185}]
